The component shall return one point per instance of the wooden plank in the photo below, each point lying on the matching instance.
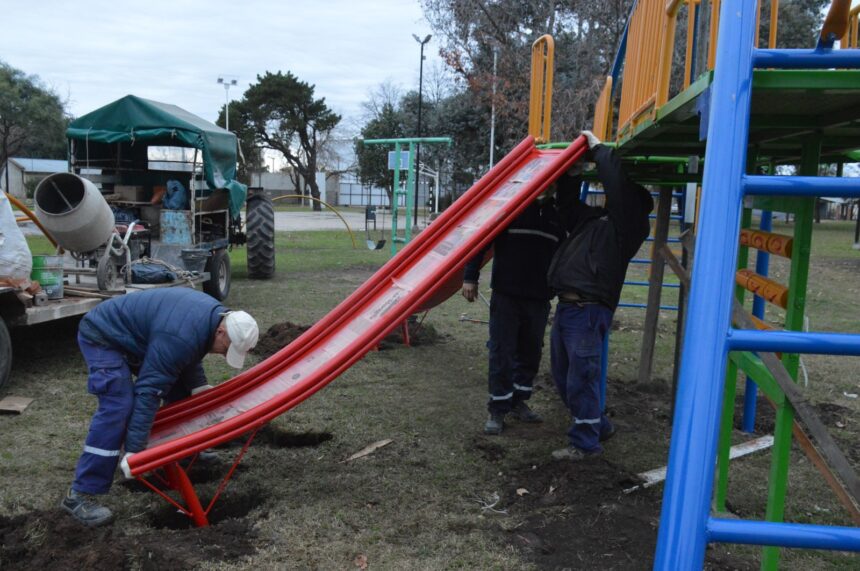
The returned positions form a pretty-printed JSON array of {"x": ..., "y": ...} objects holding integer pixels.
[
  {"x": 655, "y": 286},
  {"x": 675, "y": 265},
  {"x": 806, "y": 413},
  {"x": 14, "y": 405}
]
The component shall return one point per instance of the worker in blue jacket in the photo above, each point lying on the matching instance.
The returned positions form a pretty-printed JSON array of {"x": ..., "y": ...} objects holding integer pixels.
[
  {"x": 519, "y": 307},
  {"x": 161, "y": 336}
]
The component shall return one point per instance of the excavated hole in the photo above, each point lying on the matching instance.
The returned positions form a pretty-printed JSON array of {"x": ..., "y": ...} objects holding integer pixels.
[{"x": 229, "y": 506}]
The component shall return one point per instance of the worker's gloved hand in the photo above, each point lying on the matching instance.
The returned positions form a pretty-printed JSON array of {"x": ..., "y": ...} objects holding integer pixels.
[
  {"x": 123, "y": 464},
  {"x": 592, "y": 139},
  {"x": 470, "y": 291},
  {"x": 200, "y": 389}
]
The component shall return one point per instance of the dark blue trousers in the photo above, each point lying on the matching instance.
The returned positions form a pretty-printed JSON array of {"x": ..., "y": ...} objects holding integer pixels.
[
  {"x": 517, "y": 327},
  {"x": 576, "y": 347},
  {"x": 110, "y": 380}
]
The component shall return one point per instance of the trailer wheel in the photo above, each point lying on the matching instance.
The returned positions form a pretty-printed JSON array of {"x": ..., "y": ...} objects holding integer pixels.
[
  {"x": 260, "y": 230},
  {"x": 218, "y": 266},
  {"x": 5, "y": 353}
]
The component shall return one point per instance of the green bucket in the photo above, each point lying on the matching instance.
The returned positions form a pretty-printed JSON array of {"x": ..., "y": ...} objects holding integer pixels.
[{"x": 48, "y": 271}]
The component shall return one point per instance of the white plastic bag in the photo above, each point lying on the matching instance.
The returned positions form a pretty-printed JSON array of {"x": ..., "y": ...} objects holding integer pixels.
[{"x": 16, "y": 263}]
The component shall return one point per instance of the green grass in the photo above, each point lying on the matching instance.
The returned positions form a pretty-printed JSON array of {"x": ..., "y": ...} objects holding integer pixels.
[{"x": 411, "y": 505}]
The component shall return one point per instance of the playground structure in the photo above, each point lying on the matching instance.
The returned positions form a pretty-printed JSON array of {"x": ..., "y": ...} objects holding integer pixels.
[
  {"x": 742, "y": 111},
  {"x": 409, "y": 191},
  {"x": 764, "y": 121}
]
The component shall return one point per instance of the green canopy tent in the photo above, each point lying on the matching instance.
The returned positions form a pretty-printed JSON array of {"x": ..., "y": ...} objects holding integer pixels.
[{"x": 135, "y": 120}]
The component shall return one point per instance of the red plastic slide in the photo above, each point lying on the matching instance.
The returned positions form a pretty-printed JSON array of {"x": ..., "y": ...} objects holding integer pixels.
[{"x": 408, "y": 281}]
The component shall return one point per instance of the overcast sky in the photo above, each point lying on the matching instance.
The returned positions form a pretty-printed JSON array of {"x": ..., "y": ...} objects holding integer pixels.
[{"x": 94, "y": 51}]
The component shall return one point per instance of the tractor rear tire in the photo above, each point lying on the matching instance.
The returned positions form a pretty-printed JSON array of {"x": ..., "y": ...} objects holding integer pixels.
[
  {"x": 5, "y": 353},
  {"x": 260, "y": 231}
]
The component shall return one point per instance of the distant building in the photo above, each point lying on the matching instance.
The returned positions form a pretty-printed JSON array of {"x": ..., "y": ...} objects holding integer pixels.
[{"x": 25, "y": 174}]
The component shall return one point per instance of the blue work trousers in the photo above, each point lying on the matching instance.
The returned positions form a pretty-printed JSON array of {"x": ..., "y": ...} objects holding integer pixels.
[
  {"x": 576, "y": 348},
  {"x": 517, "y": 327},
  {"x": 109, "y": 380}
]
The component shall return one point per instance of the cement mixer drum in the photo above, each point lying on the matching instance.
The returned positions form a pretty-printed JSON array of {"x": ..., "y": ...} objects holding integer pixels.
[{"x": 74, "y": 211}]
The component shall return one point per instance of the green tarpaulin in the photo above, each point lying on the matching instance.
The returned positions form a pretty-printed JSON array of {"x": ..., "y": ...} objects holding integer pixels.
[{"x": 134, "y": 119}]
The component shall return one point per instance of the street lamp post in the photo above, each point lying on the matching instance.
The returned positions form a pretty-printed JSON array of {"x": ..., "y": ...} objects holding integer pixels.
[
  {"x": 227, "y": 83},
  {"x": 418, "y": 146}
]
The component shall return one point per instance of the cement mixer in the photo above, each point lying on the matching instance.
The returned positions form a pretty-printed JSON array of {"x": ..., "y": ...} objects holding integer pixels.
[{"x": 74, "y": 211}]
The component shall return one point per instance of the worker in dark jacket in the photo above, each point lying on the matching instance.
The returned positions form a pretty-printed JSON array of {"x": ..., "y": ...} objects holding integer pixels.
[
  {"x": 587, "y": 273},
  {"x": 519, "y": 307},
  {"x": 161, "y": 335}
]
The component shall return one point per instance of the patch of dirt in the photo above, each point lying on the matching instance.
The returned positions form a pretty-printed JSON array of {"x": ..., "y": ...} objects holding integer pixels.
[
  {"x": 765, "y": 415},
  {"x": 277, "y": 337},
  {"x": 577, "y": 515},
  {"x": 53, "y": 540},
  {"x": 488, "y": 450},
  {"x": 419, "y": 334}
]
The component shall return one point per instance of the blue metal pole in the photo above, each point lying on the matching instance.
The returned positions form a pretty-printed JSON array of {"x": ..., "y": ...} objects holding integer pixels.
[
  {"x": 762, "y": 266},
  {"x": 682, "y": 536},
  {"x": 807, "y": 59},
  {"x": 794, "y": 342},
  {"x": 806, "y": 536},
  {"x": 809, "y": 186}
]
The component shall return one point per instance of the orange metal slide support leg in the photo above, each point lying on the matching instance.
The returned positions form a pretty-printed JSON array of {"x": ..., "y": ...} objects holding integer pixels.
[{"x": 179, "y": 481}]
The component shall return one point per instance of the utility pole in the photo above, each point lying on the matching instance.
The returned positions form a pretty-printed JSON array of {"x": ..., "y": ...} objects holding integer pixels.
[
  {"x": 418, "y": 146},
  {"x": 493, "y": 107}
]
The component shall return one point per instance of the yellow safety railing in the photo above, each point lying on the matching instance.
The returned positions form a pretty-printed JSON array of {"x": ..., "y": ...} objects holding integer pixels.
[
  {"x": 651, "y": 46},
  {"x": 540, "y": 99},
  {"x": 852, "y": 30},
  {"x": 602, "y": 126}
]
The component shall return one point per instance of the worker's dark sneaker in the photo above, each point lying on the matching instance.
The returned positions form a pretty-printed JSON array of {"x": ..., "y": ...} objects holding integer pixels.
[
  {"x": 608, "y": 434},
  {"x": 573, "y": 454},
  {"x": 84, "y": 509},
  {"x": 523, "y": 413},
  {"x": 494, "y": 424}
]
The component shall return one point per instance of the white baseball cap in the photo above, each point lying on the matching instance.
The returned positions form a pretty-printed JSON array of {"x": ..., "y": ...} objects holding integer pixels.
[{"x": 243, "y": 333}]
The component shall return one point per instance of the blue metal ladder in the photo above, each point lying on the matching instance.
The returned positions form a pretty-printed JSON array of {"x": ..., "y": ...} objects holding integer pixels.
[{"x": 686, "y": 525}]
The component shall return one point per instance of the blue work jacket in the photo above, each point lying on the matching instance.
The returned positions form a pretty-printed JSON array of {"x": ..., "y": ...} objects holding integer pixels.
[{"x": 167, "y": 332}]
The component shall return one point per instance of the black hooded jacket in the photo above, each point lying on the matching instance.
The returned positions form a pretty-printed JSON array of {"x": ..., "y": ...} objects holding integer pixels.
[
  {"x": 522, "y": 253},
  {"x": 592, "y": 261}
]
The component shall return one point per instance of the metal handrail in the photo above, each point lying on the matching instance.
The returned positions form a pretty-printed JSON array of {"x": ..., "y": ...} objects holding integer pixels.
[{"x": 540, "y": 98}]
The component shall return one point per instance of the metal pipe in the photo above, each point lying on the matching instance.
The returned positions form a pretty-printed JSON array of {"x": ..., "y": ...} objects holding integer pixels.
[
  {"x": 820, "y": 343},
  {"x": 333, "y": 209},
  {"x": 686, "y": 506},
  {"x": 762, "y": 265},
  {"x": 784, "y": 534},
  {"x": 769, "y": 185},
  {"x": 806, "y": 59}
]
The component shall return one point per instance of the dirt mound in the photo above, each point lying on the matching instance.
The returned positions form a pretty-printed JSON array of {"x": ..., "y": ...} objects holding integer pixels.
[
  {"x": 280, "y": 335},
  {"x": 277, "y": 337},
  {"x": 53, "y": 540}
]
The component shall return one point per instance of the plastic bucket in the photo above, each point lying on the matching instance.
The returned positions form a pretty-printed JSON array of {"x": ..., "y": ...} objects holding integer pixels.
[{"x": 48, "y": 271}]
